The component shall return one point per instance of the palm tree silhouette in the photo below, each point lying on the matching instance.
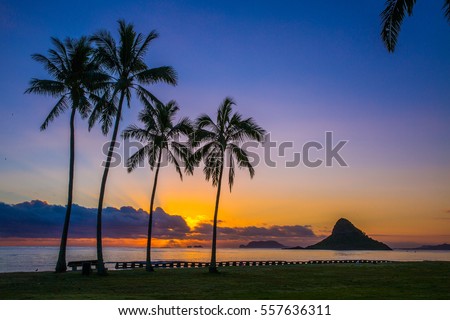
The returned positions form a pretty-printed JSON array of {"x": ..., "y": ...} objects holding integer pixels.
[
  {"x": 159, "y": 135},
  {"x": 74, "y": 76},
  {"x": 220, "y": 140},
  {"x": 126, "y": 66},
  {"x": 392, "y": 18}
]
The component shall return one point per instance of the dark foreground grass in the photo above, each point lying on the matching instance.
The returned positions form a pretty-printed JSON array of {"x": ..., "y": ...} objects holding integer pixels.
[{"x": 417, "y": 280}]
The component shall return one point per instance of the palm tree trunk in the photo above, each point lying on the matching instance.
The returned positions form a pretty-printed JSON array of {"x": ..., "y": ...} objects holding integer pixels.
[
  {"x": 213, "y": 266},
  {"x": 100, "y": 264},
  {"x": 148, "y": 266},
  {"x": 61, "y": 264}
]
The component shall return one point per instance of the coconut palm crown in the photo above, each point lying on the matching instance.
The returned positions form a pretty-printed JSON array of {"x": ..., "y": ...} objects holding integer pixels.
[
  {"x": 392, "y": 18},
  {"x": 160, "y": 138},
  {"x": 75, "y": 77},
  {"x": 124, "y": 62},
  {"x": 219, "y": 141}
]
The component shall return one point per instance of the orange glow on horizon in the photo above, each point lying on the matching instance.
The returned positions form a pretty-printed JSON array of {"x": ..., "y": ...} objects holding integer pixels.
[{"x": 222, "y": 243}]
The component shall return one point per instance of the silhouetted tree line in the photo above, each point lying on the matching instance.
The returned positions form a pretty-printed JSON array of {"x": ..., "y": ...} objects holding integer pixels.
[{"x": 96, "y": 77}]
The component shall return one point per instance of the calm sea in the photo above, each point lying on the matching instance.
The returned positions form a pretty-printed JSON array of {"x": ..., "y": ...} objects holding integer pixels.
[{"x": 13, "y": 259}]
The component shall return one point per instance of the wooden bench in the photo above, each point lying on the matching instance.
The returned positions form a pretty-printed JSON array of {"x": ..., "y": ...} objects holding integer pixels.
[{"x": 78, "y": 264}]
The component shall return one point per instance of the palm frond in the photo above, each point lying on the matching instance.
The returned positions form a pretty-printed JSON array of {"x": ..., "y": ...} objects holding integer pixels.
[
  {"x": 205, "y": 130},
  {"x": 148, "y": 117},
  {"x": 162, "y": 118},
  {"x": 61, "y": 61},
  {"x": 145, "y": 44},
  {"x": 205, "y": 121},
  {"x": 53, "y": 69},
  {"x": 153, "y": 155},
  {"x": 246, "y": 129},
  {"x": 242, "y": 159},
  {"x": 447, "y": 9},
  {"x": 392, "y": 18},
  {"x": 83, "y": 106},
  {"x": 128, "y": 97},
  {"x": 134, "y": 132},
  {"x": 137, "y": 159},
  {"x": 213, "y": 165},
  {"x": 127, "y": 36},
  {"x": 184, "y": 153},
  {"x": 95, "y": 114},
  {"x": 172, "y": 108},
  {"x": 46, "y": 87},
  {"x": 107, "y": 117},
  {"x": 106, "y": 51},
  {"x": 95, "y": 80},
  {"x": 59, "y": 108},
  {"x": 173, "y": 159},
  {"x": 104, "y": 111},
  {"x": 200, "y": 136},
  {"x": 146, "y": 97},
  {"x": 164, "y": 74},
  {"x": 60, "y": 46},
  {"x": 224, "y": 112},
  {"x": 183, "y": 127},
  {"x": 231, "y": 171},
  {"x": 203, "y": 151}
]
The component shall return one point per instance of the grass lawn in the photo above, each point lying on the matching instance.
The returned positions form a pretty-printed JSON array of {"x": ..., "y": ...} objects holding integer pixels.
[{"x": 416, "y": 280}]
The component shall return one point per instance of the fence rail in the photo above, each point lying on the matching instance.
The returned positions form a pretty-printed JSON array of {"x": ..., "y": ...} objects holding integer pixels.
[{"x": 183, "y": 264}]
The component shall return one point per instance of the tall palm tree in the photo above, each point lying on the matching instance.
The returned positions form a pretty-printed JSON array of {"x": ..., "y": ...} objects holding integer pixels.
[
  {"x": 126, "y": 66},
  {"x": 392, "y": 18},
  {"x": 74, "y": 75},
  {"x": 159, "y": 136},
  {"x": 218, "y": 141}
]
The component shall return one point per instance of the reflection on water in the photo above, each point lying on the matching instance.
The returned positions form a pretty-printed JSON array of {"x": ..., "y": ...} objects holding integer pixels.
[{"x": 44, "y": 258}]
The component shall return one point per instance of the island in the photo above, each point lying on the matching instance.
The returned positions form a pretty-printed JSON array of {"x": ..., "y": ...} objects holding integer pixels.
[
  {"x": 262, "y": 245},
  {"x": 444, "y": 246},
  {"x": 345, "y": 236}
]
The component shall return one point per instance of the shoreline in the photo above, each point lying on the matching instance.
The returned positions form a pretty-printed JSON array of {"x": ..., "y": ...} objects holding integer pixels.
[{"x": 30, "y": 259}]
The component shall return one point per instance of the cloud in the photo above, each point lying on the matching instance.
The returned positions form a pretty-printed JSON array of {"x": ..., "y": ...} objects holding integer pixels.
[
  {"x": 39, "y": 220},
  {"x": 251, "y": 232}
]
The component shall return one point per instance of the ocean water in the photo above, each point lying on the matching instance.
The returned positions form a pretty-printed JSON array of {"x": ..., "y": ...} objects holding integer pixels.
[{"x": 26, "y": 259}]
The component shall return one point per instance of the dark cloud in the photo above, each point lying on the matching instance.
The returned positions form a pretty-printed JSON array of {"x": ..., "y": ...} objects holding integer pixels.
[
  {"x": 251, "y": 232},
  {"x": 38, "y": 219}
]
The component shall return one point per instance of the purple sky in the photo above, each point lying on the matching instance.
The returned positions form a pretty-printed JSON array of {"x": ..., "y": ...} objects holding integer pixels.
[{"x": 300, "y": 68}]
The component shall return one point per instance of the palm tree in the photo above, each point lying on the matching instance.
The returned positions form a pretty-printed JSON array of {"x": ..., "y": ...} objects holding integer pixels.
[
  {"x": 218, "y": 141},
  {"x": 159, "y": 136},
  {"x": 392, "y": 18},
  {"x": 74, "y": 75},
  {"x": 126, "y": 66}
]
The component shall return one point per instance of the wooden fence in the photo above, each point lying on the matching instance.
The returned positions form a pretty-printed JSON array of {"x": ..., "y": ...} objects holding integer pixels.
[{"x": 182, "y": 264}]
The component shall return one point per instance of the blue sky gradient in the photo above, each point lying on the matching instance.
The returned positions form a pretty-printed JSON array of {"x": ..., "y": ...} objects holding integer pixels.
[{"x": 300, "y": 68}]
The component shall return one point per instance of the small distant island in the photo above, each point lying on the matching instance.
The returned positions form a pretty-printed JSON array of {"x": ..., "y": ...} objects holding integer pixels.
[
  {"x": 294, "y": 248},
  {"x": 262, "y": 245},
  {"x": 345, "y": 236},
  {"x": 194, "y": 247},
  {"x": 444, "y": 246}
]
